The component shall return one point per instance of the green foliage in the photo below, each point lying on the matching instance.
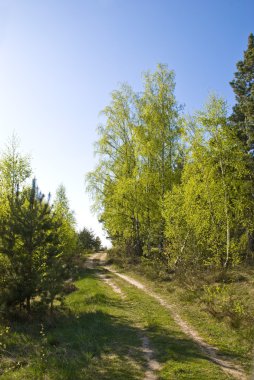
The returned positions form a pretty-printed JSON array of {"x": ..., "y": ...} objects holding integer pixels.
[
  {"x": 139, "y": 160},
  {"x": 15, "y": 168},
  {"x": 99, "y": 337},
  {"x": 29, "y": 240},
  {"x": 224, "y": 303},
  {"x": 208, "y": 213},
  {"x": 4, "y": 333},
  {"x": 243, "y": 87},
  {"x": 87, "y": 241},
  {"x": 173, "y": 189},
  {"x": 66, "y": 232},
  {"x": 37, "y": 240}
]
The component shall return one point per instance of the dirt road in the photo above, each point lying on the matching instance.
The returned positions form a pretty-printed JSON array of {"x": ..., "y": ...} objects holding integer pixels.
[{"x": 210, "y": 351}]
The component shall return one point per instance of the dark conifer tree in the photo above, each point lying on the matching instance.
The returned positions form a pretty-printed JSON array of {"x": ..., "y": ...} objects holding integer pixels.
[
  {"x": 243, "y": 86},
  {"x": 88, "y": 241},
  {"x": 242, "y": 118},
  {"x": 29, "y": 239}
]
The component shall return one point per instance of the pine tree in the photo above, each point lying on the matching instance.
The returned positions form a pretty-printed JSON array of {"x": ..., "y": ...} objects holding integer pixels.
[
  {"x": 243, "y": 86},
  {"x": 31, "y": 244},
  {"x": 20, "y": 244},
  {"x": 88, "y": 241},
  {"x": 242, "y": 117},
  {"x": 60, "y": 250}
]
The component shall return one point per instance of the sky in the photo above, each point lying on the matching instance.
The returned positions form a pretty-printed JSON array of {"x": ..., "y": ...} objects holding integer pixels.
[{"x": 60, "y": 60}]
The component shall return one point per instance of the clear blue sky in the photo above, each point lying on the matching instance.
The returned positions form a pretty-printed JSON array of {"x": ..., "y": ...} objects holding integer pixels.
[{"x": 59, "y": 61}]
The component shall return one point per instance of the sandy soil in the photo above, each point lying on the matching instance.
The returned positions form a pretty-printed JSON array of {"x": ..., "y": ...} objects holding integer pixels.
[
  {"x": 212, "y": 352},
  {"x": 151, "y": 364}
]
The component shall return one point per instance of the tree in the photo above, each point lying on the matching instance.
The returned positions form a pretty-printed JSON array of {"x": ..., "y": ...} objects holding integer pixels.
[
  {"x": 138, "y": 149},
  {"x": 113, "y": 181},
  {"x": 31, "y": 228},
  {"x": 157, "y": 149},
  {"x": 15, "y": 169},
  {"x": 242, "y": 117},
  {"x": 243, "y": 87},
  {"x": 88, "y": 241},
  {"x": 66, "y": 219},
  {"x": 37, "y": 239},
  {"x": 207, "y": 215},
  {"x": 59, "y": 263}
]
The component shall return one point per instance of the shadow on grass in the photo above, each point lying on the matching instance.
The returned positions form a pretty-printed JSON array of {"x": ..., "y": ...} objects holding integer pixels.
[
  {"x": 97, "y": 345},
  {"x": 186, "y": 351},
  {"x": 94, "y": 345}
]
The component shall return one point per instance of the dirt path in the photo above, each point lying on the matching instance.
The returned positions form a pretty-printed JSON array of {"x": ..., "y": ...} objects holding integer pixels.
[
  {"x": 152, "y": 366},
  {"x": 212, "y": 352},
  {"x": 113, "y": 286}
]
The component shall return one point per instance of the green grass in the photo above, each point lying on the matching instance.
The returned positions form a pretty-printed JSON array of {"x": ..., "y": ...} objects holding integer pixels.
[
  {"x": 179, "y": 355},
  {"x": 234, "y": 343},
  {"x": 97, "y": 336},
  {"x": 90, "y": 340}
]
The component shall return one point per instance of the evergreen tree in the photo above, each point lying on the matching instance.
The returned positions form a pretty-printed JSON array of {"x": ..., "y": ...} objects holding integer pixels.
[
  {"x": 31, "y": 229},
  {"x": 243, "y": 86},
  {"x": 61, "y": 251},
  {"x": 242, "y": 117},
  {"x": 65, "y": 217},
  {"x": 88, "y": 241},
  {"x": 37, "y": 240}
]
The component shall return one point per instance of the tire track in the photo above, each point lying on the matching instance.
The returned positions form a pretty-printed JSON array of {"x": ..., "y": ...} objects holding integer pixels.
[
  {"x": 211, "y": 352},
  {"x": 152, "y": 366}
]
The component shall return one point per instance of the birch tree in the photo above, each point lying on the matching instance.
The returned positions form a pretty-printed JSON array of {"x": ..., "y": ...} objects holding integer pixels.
[{"x": 214, "y": 197}]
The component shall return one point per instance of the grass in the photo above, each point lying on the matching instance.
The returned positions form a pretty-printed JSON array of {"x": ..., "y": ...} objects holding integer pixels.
[
  {"x": 179, "y": 355},
  {"x": 97, "y": 336},
  {"x": 233, "y": 342},
  {"x": 90, "y": 339}
]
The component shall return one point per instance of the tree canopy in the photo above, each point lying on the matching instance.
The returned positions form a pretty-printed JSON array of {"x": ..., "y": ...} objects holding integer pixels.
[{"x": 177, "y": 188}]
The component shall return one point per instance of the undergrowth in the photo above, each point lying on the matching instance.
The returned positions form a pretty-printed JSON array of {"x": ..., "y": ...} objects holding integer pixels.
[{"x": 218, "y": 303}]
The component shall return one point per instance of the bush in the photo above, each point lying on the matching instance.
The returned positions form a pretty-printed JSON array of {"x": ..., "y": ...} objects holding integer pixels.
[
  {"x": 69, "y": 287},
  {"x": 223, "y": 303}
]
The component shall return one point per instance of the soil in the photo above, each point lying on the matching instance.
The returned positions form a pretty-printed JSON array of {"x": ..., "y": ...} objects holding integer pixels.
[{"x": 210, "y": 351}]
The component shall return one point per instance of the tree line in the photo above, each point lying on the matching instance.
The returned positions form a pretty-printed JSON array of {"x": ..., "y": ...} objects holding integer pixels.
[
  {"x": 39, "y": 243},
  {"x": 178, "y": 188}
]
